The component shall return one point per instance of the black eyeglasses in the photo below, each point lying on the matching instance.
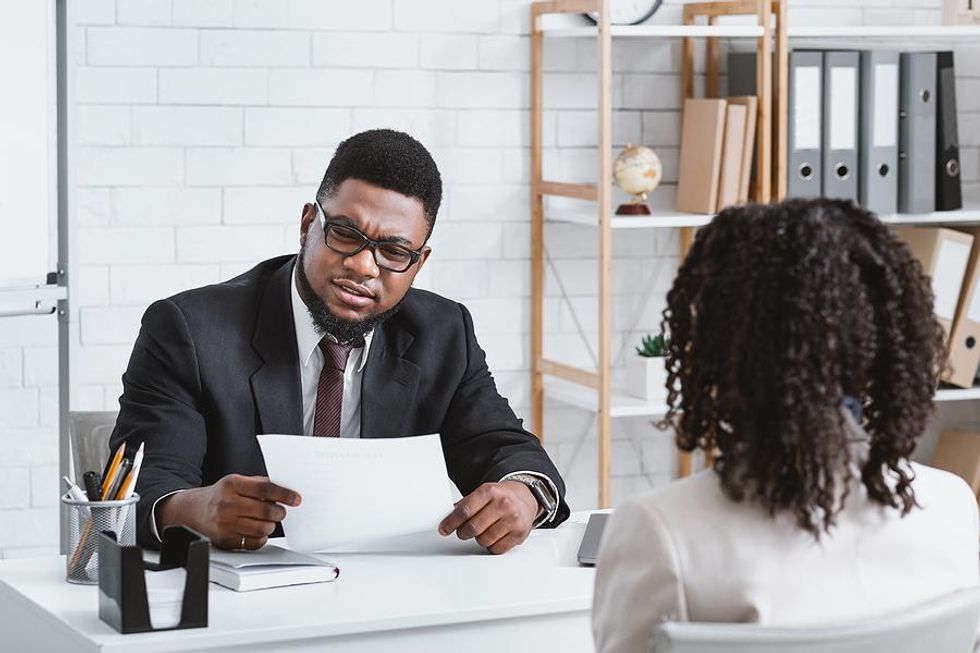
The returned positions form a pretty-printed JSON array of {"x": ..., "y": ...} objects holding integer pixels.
[{"x": 349, "y": 241}]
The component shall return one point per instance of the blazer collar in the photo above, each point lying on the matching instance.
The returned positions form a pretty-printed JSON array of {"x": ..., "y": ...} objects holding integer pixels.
[
  {"x": 389, "y": 384},
  {"x": 276, "y": 383}
]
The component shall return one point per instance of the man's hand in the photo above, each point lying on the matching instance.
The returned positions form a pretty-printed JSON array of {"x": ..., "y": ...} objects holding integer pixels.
[
  {"x": 235, "y": 507},
  {"x": 499, "y": 515}
]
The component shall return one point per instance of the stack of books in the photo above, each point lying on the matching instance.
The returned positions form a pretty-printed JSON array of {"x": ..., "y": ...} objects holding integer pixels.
[{"x": 717, "y": 147}]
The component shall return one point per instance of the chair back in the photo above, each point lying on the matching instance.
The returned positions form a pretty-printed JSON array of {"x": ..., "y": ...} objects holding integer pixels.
[
  {"x": 88, "y": 434},
  {"x": 944, "y": 625}
]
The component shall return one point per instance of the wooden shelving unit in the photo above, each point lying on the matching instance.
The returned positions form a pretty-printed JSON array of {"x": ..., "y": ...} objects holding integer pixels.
[{"x": 592, "y": 390}]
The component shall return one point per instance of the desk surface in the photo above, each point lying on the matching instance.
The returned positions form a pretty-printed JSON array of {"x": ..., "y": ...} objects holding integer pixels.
[{"x": 374, "y": 593}]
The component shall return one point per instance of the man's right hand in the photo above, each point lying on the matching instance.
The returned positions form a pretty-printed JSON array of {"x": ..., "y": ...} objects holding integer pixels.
[{"x": 235, "y": 507}]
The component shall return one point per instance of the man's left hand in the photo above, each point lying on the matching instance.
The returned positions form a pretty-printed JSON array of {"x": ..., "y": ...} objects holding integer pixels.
[{"x": 499, "y": 515}]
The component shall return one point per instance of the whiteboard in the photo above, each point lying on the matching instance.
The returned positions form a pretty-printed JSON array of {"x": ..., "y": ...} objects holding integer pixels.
[{"x": 28, "y": 143}]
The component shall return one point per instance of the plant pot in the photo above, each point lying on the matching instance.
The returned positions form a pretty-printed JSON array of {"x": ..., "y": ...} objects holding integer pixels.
[{"x": 646, "y": 377}]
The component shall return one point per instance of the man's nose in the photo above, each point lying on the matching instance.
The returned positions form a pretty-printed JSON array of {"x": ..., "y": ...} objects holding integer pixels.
[{"x": 363, "y": 263}]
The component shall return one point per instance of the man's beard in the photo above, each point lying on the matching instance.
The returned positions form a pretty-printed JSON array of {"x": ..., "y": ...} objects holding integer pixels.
[{"x": 326, "y": 323}]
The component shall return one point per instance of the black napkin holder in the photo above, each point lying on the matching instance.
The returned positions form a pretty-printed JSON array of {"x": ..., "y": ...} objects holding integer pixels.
[{"x": 122, "y": 584}]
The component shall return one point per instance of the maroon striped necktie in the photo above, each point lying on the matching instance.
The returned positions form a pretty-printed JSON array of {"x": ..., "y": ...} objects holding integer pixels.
[{"x": 330, "y": 388}]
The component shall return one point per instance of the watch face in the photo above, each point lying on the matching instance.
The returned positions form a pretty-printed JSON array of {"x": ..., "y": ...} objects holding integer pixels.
[{"x": 628, "y": 12}]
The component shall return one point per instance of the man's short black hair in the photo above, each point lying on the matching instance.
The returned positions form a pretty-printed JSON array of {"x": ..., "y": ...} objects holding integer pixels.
[{"x": 389, "y": 159}]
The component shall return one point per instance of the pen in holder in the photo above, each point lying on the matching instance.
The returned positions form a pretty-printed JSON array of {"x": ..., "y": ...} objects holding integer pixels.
[{"x": 86, "y": 519}]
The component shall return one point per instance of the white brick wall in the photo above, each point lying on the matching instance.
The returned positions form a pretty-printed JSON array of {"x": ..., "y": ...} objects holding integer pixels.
[{"x": 201, "y": 126}]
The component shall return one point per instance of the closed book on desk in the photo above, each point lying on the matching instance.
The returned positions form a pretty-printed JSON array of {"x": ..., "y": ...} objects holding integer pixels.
[
  {"x": 964, "y": 339},
  {"x": 958, "y": 452},
  {"x": 270, "y": 566},
  {"x": 878, "y": 153},
  {"x": 840, "y": 125},
  {"x": 702, "y": 135},
  {"x": 944, "y": 255}
]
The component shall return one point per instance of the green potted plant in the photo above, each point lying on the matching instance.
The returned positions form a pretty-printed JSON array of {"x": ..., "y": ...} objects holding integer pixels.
[{"x": 646, "y": 372}]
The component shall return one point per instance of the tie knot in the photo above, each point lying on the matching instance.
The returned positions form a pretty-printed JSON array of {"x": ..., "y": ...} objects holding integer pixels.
[{"x": 335, "y": 354}]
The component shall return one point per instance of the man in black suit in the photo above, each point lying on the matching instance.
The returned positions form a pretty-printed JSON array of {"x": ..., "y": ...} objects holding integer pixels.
[{"x": 332, "y": 341}]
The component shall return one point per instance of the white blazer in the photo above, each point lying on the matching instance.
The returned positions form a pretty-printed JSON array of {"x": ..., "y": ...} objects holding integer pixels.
[{"x": 687, "y": 552}]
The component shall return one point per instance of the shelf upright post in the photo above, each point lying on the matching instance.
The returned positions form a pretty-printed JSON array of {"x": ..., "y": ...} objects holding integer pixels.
[
  {"x": 782, "y": 99},
  {"x": 537, "y": 228},
  {"x": 604, "y": 192},
  {"x": 763, "y": 85}
]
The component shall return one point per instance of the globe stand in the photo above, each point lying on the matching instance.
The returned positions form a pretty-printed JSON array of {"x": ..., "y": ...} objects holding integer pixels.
[{"x": 633, "y": 208}]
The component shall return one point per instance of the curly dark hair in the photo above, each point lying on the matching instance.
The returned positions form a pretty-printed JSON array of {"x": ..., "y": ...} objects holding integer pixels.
[
  {"x": 777, "y": 314},
  {"x": 389, "y": 159}
]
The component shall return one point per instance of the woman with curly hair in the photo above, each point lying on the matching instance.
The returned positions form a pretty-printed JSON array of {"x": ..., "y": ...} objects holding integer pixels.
[{"x": 804, "y": 354}]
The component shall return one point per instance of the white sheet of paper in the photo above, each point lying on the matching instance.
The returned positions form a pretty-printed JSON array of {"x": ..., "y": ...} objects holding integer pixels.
[{"x": 357, "y": 489}]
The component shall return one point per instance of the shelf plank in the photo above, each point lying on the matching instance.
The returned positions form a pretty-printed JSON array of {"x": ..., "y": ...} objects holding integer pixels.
[
  {"x": 678, "y": 31},
  {"x": 969, "y": 214},
  {"x": 658, "y": 219},
  {"x": 621, "y": 404},
  {"x": 755, "y": 31},
  {"x": 958, "y": 394},
  {"x": 624, "y": 405},
  {"x": 875, "y": 31},
  {"x": 662, "y": 219}
]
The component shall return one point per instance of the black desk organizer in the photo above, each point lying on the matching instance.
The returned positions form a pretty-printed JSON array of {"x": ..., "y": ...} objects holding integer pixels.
[{"x": 122, "y": 585}]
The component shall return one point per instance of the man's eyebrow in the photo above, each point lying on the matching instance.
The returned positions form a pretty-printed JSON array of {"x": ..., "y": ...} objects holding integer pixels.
[{"x": 346, "y": 221}]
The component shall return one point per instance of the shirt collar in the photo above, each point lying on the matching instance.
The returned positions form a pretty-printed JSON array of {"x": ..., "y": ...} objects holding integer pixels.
[{"x": 307, "y": 339}]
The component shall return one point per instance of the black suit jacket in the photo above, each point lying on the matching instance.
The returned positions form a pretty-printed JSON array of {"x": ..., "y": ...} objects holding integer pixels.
[{"x": 215, "y": 366}]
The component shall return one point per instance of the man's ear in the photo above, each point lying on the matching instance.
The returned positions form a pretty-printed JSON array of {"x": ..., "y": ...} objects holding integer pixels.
[
  {"x": 307, "y": 217},
  {"x": 425, "y": 251}
]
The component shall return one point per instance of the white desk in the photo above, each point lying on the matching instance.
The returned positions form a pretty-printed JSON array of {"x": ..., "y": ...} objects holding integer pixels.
[{"x": 534, "y": 598}]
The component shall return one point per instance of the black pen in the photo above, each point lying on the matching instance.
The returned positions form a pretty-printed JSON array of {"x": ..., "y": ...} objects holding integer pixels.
[
  {"x": 117, "y": 480},
  {"x": 92, "y": 485}
]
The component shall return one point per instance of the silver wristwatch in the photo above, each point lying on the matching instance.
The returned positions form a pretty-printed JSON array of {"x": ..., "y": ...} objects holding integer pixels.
[{"x": 541, "y": 492}]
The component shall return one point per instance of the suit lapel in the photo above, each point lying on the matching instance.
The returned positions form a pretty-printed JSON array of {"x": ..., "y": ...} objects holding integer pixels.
[
  {"x": 389, "y": 384},
  {"x": 276, "y": 383}
]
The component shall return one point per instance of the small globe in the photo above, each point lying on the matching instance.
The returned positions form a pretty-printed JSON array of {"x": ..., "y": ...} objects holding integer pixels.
[{"x": 637, "y": 170}]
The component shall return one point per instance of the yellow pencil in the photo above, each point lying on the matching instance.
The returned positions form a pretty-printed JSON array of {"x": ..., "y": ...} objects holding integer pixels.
[{"x": 111, "y": 474}]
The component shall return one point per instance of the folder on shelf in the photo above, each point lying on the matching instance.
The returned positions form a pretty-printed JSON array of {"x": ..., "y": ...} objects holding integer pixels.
[
  {"x": 878, "y": 152},
  {"x": 751, "y": 104},
  {"x": 805, "y": 123},
  {"x": 944, "y": 255},
  {"x": 958, "y": 452},
  {"x": 964, "y": 338},
  {"x": 730, "y": 178},
  {"x": 702, "y": 133},
  {"x": 917, "y": 133},
  {"x": 949, "y": 193},
  {"x": 840, "y": 124}
]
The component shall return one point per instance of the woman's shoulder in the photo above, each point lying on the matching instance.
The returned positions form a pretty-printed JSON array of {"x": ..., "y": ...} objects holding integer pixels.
[
  {"x": 936, "y": 485},
  {"x": 696, "y": 494}
]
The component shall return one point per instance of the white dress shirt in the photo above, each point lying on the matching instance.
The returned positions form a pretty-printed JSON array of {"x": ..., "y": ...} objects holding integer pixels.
[{"x": 310, "y": 365}]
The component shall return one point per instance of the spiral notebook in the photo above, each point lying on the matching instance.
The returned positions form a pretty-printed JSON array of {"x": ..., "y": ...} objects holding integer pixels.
[{"x": 270, "y": 566}]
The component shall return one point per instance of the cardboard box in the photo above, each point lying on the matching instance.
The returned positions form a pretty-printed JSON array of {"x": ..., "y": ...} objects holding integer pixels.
[
  {"x": 944, "y": 255},
  {"x": 958, "y": 452},
  {"x": 964, "y": 338}
]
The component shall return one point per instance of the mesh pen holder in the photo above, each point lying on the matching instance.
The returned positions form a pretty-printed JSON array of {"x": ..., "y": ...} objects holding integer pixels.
[{"x": 86, "y": 519}]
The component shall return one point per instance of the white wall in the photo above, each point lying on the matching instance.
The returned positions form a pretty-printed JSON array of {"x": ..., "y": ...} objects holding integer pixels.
[{"x": 202, "y": 125}]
